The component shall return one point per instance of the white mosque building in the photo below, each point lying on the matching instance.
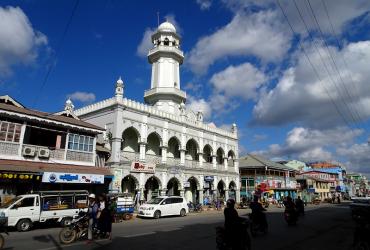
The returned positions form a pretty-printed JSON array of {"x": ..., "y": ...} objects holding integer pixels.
[{"x": 161, "y": 147}]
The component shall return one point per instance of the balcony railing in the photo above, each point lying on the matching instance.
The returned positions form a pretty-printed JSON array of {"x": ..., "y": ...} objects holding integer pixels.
[
  {"x": 129, "y": 156},
  {"x": 173, "y": 161},
  {"x": 79, "y": 156},
  {"x": 191, "y": 164},
  {"x": 230, "y": 163},
  {"x": 9, "y": 148},
  {"x": 207, "y": 165},
  {"x": 156, "y": 159}
]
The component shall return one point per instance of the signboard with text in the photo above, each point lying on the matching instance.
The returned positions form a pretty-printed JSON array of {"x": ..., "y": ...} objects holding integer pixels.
[
  {"x": 139, "y": 167},
  {"x": 53, "y": 177}
]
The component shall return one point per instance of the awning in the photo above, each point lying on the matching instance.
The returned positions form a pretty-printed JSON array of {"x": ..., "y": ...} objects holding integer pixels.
[{"x": 40, "y": 167}]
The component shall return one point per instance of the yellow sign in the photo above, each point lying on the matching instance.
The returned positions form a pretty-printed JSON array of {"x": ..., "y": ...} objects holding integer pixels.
[{"x": 20, "y": 176}]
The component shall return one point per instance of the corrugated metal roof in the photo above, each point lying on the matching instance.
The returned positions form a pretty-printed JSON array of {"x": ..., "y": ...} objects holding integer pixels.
[{"x": 256, "y": 161}]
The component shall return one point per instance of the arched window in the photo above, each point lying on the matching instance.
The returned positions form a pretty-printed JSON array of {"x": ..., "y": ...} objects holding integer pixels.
[{"x": 166, "y": 42}]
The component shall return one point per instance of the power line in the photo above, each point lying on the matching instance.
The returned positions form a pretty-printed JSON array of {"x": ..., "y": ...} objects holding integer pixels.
[
  {"x": 335, "y": 65},
  {"x": 312, "y": 66},
  {"x": 51, "y": 66},
  {"x": 357, "y": 92},
  {"x": 322, "y": 59}
]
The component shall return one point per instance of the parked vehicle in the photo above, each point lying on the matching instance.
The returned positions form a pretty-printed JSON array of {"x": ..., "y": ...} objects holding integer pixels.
[
  {"x": 3, "y": 230},
  {"x": 195, "y": 207},
  {"x": 164, "y": 206},
  {"x": 61, "y": 206},
  {"x": 125, "y": 205}
]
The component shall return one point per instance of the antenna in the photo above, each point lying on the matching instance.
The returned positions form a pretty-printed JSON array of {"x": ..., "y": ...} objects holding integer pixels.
[{"x": 158, "y": 18}]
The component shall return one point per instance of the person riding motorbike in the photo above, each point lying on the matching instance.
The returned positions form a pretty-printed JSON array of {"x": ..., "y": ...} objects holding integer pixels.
[
  {"x": 93, "y": 215},
  {"x": 258, "y": 215},
  {"x": 290, "y": 209},
  {"x": 299, "y": 206}
]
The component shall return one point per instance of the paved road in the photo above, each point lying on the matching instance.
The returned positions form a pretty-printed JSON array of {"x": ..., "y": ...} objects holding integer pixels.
[{"x": 324, "y": 227}]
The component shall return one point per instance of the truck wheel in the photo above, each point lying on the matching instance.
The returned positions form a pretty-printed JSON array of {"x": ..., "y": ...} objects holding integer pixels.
[
  {"x": 66, "y": 221},
  {"x": 24, "y": 225}
]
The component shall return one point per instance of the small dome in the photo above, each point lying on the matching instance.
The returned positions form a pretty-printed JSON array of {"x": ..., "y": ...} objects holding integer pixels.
[
  {"x": 167, "y": 27},
  {"x": 119, "y": 82}
]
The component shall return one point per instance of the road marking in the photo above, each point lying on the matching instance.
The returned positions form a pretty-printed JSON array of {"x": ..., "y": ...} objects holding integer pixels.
[{"x": 137, "y": 235}]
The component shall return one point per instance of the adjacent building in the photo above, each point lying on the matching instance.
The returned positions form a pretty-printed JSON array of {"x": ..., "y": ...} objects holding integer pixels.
[
  {"x": 160, "y": 147},
  {"x": 43, "y": 151},
  {"x": 262, "y": 175}
]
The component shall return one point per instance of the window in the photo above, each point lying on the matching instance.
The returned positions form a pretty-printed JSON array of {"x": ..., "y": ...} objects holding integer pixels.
[
  {"x": 10, "y": 132},
  {"x": 81, "y": 143},
  {"x": 26, "y": 202}
]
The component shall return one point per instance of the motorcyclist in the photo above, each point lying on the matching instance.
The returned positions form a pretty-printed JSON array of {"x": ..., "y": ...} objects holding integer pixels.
[
  {"x": 299, "y": 205},
  {"x": 290, "y": 207},
  {"x": 234, "y": 226},
  {"x": 258, "y": 215},
  {"x": 93, "y": 214}
]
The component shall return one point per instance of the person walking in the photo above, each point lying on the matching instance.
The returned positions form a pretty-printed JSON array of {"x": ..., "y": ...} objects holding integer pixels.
[
  {"x": 93, "y": 216},
  {"x": 112, "y": 208},
  {"x": 299, "y": 206}
]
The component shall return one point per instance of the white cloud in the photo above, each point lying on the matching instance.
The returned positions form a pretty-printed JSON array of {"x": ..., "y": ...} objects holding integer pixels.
[
  {"x": 199, "y": 105},
  {"x": 172, "y": 19},
  {"x": 239, "y": 81},
  {"x": 358, "y": 156},
  {"x": 19, "y": 42},
  {"x": 300, "y": 97},
  {"x": 146, "y": 43},
  {"x": 312, "y": 144},
  {"x": 83, "y": 97},
  {"x": 204, "y": 4},
  {"x": 258, "y": 34}
]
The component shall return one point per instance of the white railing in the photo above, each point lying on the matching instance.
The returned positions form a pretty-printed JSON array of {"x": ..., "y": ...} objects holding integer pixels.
[
  {"x": 8, "y": 148},
  {"x": 230, "y": 163},
  {"x": 156, "y": 159},
  {"x": 173, "y": 161},
  {"x": 191, "y": 164},
  {"x": 207, "y": 165},
  {"x": 129, "y": 156},
  {"x": 79, "y": 156}
]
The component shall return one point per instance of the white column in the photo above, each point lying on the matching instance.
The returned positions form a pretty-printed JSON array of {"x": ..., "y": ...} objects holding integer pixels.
[
  {"x": 142, "y": 151},
  {"x": 200, "y": 156},
  {"x": 214, "y": 161},
  {"x": 225, "y": 163},
  {"x": 237, "y": 194},
  {"x": 201, "y": 198},
  {"x": 66, "y": 146},
  {"x": 164, "y": 154},
  {"x": 226, "y": 194},
  {"x": 182, "y": 157},
  {"x": 94, "y": 151},
  {"x": 21, "y": 139}
]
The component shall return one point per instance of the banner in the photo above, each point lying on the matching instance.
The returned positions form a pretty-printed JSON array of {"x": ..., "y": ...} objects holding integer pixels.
[
  {"x": 20, "y": 176},
  {"x": 140, "y": 167},
  {"x": 52, "y": 177}
]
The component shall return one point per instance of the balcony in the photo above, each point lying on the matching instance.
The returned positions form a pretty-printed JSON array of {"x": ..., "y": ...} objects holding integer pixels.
[
  {"x": 156, "y": 159},
  {"x": 192, "y": 164},
  {"x": 9, "y": 148},
  {"x": 173, "y": 161},
  {"x": 126, "y": 156}
]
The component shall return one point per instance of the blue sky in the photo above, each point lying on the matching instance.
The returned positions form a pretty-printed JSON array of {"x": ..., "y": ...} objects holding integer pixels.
[{"x": 304, "y": 96}]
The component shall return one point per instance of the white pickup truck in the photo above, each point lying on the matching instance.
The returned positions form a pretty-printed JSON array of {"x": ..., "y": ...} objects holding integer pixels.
[{"x": 62, "y": 206}]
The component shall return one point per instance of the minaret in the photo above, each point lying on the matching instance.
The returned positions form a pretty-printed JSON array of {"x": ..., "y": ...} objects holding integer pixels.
[
  {"x": 119, "y": 89},
  {"x": 166, "y": 58}
]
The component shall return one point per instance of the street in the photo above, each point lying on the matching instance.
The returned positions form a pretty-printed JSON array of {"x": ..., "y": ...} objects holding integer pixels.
[{"x": 325, "y": 226}]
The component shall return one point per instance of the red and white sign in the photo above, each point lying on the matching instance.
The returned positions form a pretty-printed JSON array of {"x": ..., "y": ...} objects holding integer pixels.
[{"x": 140, "y": 167}]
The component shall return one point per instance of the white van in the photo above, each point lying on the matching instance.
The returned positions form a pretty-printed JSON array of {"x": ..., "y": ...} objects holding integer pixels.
[
  {"x": 61, "y": 206},
  {"x": 164, "y": 206}
]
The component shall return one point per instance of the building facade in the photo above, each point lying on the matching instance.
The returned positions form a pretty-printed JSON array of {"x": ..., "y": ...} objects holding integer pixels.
[
  {"x": 262, "y": 175},
  {"x": 161, "y": 147},
  {"x": 43, "y": 151}
]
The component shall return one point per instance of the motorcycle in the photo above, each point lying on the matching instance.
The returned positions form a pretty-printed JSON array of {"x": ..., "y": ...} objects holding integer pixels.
[
  {"x": 195, "y": 207},
  {"x": 3, "y": 230},
  {"x": 290, "y": 217},
  {"x": 257, "y": 225},
  {"x": 77, "y": 229},
  {"x": 221, "y": 241}
]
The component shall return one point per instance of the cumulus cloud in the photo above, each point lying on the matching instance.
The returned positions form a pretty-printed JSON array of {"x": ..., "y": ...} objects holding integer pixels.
[
  {"x": 300, "y": 96},
  {"x": 146, "y": 43},
  {"x": 358, "y": 156},
  {"x": 19, "y": 42},
  {"x": 199, "y": 105},
  {"x": 204, "y": 4},
  {"x": 258, "y": 34},
  {"x": 312, "y": 144},
  {"x": 239, "y": 81},
  {"x": 83, "y": 97}
]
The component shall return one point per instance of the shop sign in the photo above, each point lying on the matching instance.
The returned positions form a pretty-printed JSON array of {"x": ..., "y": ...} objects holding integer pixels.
[
  {"x": 19, "y": 176},
  {"x": 117, "y": 180},
  {"x": 209, "y": 178},
  {"x": 52, "y": 177},
  {"x": 140, "y": 167},
  {"x": 186, "y": 184}
]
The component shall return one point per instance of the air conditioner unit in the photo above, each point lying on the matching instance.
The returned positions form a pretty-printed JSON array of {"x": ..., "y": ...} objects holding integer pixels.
[
  {"x": 44, "y": 153},
  {"x": 29, "y": 151}
]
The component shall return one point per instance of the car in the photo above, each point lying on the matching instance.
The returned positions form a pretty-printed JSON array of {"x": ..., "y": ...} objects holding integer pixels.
[{"x": 164, "y": 206}]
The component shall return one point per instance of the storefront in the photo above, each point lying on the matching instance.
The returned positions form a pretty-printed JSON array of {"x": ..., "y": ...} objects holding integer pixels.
[{"x": 208, "y": 187}]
